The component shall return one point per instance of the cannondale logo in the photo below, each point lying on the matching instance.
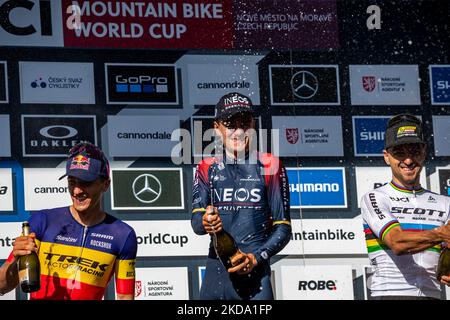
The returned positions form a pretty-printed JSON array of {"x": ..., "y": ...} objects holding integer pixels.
[
  {"x": 146, "y": 188},
  {"x": 304, "y": 84}
]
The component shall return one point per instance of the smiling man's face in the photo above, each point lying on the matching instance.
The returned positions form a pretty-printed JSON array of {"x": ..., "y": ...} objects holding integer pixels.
[{"x": 406, "y": 162}]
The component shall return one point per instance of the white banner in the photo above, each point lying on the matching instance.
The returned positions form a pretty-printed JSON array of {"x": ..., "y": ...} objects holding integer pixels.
[
  {"x": 43, "y": 190},
  {"x": 57, "y": 82},
  {"x": 326, "y": 236},
  {"x": 369, "y": 178},
  {"x": 209, "y": 80},
  {"x": 141, "y": 136},
  {"x": 8, "y": 232},
  {"x": 31, "y": 23},
  {"x": 309, "y": 136},
  {"x": 5, "y": 149},
  {"x": 317, "y": 282},
  {"x": 441, "y": 130},
  {"x": 168, "y": 238},
  {"x": 162, "y": 284},
  {"x": 6, "y": 190},
  {"x": 384, "y": 84}
]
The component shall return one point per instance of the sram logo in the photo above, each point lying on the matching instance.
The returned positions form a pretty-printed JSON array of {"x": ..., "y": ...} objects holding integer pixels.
[{"x": 318, "y": 285}]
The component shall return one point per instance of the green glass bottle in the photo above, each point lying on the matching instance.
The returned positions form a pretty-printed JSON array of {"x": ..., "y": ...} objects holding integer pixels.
[
  {"x": 225, "y": 247},
  {"x": 29, "y": 267},
  {"x": 443, "y": 268}
]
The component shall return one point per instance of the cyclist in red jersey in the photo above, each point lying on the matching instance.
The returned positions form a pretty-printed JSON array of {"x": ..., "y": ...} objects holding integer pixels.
[{"x": 80, "y": 247}]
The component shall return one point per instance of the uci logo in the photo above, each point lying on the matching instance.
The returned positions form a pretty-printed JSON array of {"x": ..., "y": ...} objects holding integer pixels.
[{"x": 14, "y": 10}]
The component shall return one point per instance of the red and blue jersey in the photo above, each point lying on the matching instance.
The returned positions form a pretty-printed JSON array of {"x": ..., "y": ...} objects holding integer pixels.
[
  {"x": 77, "y": 262},
  {"x": 252, "y": 200}
]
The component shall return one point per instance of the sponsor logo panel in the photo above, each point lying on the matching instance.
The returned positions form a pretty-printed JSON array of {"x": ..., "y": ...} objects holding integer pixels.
[
  {"x": 141, "y": 136},
  {"x": 209, "y": 82},
  {"x": 317, "y": 282},
  {"x": 440, "y": 84},
  {"x": 57, "y": 82},
  {"x": 5, "y": 150},
  {"x": 141, "y": 84},
  {"x": 441, "y": 130},
  {"x": 326, "y": 236},
  {"x": 43, "y": 189},
  {"x": 168, "y": 238},
  {"x": 308, "y": 136},
  {"x": 3, "y": 82},
  {"x": 51, "y": 135},
  {"x": 384, "y": 84},
  {"x": 368, "y": 135},
  {"x": 370, "y": 178},
  {"x": 8, "y": 232},
  {"x": 444, "y": 181},
  {"x": 31, "y": 23},
  {"x": 147, "y": 189},
  {"x": 148, "y": 24},
  {"x": 304, "y": 85},
  {"x": 162, "y": 284},
  {"x": 317, "y": 187},
  {"x": 6, "y": 190}
]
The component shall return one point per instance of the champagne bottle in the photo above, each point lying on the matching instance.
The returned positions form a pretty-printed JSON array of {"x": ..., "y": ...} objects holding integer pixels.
[
  {"x": 29, "y": 267},
  {"x": 225, "y": 247},
  {"x": 443, "y": 268}
]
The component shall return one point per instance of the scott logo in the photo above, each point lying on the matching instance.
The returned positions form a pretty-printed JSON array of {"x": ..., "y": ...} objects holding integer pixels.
[{"x": 319, "y": 285}]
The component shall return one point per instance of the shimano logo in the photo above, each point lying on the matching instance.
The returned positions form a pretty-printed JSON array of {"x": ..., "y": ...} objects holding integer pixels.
[
  {"x": 372, "y": 136},
  {"x": 443, "y": 85},
  {"x": 314, "y": 187},
  {"x": 319, "y": 285},
  {"x": 376, "y": 209}
]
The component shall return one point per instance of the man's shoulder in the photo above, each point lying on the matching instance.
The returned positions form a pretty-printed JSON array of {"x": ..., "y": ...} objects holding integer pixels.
[
  {"x": 118, "y": 225},
  {"x": 379, "y": 192},
  {"x": 46, "y": 213}
]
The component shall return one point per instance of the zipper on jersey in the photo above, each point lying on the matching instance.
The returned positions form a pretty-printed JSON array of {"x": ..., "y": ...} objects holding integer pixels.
[{"x": 83, "y": 242}]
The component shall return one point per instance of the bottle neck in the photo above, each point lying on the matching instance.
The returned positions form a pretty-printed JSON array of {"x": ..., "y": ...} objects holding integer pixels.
[{"x": 26, "y": 230}]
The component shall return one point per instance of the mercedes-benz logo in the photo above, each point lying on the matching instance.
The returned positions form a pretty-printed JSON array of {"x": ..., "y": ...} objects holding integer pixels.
[
  {"x": 146, "y": 188},
  {"x": 304, "y": 84}
]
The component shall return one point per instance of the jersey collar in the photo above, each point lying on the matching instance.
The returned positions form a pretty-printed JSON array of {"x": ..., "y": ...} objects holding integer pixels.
[{"x": 403, "y": 189}]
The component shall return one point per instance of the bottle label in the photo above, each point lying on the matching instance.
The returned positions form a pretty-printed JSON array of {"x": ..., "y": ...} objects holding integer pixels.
[{"x": 24, "y": 275}]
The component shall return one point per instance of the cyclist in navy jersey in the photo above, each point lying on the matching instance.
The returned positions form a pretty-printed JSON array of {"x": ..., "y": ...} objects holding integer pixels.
[{"x": 247, "y": 194}]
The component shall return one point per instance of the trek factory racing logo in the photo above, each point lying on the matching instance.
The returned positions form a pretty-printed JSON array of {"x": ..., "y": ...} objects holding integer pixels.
[
  {"x": 141, "y": 84},
  {"x": 444, "y": 181},
  {"x": 369, "y": 135},
  {"x": 317, "y": 285},
  {"x": 147, "y": 189},
  {"x": 317, "y": 188},
  {"x": 440, "y": 84},
  {"x": 54, "y": 136},
  {"x": 304, "y": 84},
  {"x": 73, "y": 263}
]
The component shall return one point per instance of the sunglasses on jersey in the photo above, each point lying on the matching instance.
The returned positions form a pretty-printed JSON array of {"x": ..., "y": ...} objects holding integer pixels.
[{"x": 238, "y": 121}]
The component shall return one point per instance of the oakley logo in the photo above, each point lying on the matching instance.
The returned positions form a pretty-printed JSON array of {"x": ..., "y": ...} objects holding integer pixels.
[
  {"x": 147, "y": 188},
  {"x": 304, "y": 84},
  {"x": 58, "y": 129}
]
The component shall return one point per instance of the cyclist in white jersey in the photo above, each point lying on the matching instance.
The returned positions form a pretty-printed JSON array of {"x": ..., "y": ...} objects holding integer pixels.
[{"x": 405, "y": 225}]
